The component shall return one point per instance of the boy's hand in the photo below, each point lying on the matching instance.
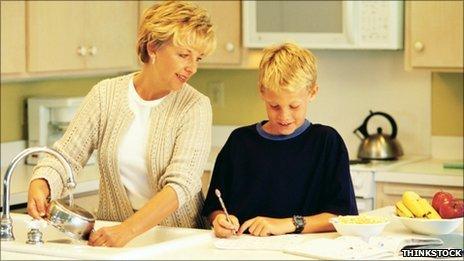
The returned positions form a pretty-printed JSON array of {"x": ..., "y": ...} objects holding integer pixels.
[
  {"x": 222, "y": 228},
  {"x": 265, "y": 226}
]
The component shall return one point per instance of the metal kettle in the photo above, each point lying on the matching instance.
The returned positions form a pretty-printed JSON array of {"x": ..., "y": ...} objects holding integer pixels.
[{"x": 378, "y": 146}]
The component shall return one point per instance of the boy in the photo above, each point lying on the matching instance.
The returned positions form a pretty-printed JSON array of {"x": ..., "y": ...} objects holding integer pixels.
[{"x": 283, "y": 175}]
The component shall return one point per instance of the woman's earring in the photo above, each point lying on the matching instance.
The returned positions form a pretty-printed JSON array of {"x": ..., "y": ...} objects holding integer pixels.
[{"x": 152, "y": 59}]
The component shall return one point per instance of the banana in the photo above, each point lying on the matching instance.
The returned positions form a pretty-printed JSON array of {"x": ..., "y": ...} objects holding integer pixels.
[
  {"x": 411, "y": 201},
  {"x": 431, "y": 212},
  {"x": 402, "y": 210},
  {"x": 400, "y": 213}
]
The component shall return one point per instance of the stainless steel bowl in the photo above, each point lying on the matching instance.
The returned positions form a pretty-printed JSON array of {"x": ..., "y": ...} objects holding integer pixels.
[{"x": 73, "y": 221}]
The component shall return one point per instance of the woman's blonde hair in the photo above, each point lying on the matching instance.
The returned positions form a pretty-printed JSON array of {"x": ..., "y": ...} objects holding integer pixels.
[
  {"x": 287, "y": 67},
  {"x": 186, "y": 24}
]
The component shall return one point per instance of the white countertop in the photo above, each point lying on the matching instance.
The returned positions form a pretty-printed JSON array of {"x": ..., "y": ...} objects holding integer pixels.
[
  {"x": 201, "y": 244},
  {"x": 424, "y": 172}
]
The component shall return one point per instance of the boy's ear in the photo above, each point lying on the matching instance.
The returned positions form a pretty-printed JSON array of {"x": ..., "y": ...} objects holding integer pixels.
[
  {"x": 313, "y": 92},
  {"x": 261, "y": 93}
]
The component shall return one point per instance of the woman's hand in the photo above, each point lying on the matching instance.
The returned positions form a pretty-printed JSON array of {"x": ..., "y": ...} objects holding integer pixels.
[
  {"x": 223, "y": 228},
  {"x": 265, "y": 226},
  {"x": 37, "y": 199},
  {"x": 114, "y": 236}
]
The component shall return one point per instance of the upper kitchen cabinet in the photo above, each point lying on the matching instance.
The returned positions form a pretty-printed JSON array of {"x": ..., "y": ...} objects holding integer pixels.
[
  {"x": 225, "y": 17},
  {"x": 81, "y": 35},
  {"x": 13, "y": 34},
  {"x": 433, "y": 36}
]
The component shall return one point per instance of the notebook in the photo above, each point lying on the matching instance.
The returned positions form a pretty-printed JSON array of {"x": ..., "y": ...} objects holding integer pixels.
[{"x": 351, "y": 247}]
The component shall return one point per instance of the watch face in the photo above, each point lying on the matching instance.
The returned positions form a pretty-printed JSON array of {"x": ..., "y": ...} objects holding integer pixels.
[{"x": 299, "y": 223}]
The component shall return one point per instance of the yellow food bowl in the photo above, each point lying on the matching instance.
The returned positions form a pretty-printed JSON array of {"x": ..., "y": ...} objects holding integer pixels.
[{"x": 362, "y": 225}]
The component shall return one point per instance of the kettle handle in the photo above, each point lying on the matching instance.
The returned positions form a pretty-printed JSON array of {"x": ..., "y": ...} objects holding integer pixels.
[{"x": 363, "y": 127}]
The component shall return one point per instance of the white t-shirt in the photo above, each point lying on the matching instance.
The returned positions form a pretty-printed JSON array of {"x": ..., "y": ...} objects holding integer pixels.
[{"x": 132, "y": 152}]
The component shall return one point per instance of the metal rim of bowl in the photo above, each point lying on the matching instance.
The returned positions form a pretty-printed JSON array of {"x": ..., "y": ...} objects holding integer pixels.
[{"x": 64, "y": 208}]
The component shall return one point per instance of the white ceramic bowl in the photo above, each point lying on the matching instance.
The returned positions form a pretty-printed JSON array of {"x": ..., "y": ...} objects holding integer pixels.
[
  {"x": 360, "y": 230},
  {"x": 431, "y": 226}
]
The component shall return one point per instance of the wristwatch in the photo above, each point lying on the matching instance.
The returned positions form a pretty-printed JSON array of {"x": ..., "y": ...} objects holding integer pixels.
[{"x": 299, "y": 223}]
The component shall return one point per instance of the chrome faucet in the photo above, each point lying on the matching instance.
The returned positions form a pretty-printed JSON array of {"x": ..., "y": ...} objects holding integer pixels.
[{"x": 6, "y": 222}]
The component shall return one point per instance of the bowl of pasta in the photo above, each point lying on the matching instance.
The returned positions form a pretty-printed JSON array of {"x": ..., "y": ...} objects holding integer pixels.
[{"x": 364, "y": 226}]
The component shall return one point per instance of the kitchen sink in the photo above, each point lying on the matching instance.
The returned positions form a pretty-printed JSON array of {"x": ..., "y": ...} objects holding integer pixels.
[{"x": 153, "y": 242}]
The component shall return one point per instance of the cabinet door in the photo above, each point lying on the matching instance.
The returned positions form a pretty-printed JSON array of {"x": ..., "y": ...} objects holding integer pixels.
[
  {"x": 110, "y": 34},
  {"x": 88, "y": 201},
  {"x": 435, "y": 31},
  {"x": 225, "y": 17},
  {"x": 55, "y": 34},
  {"x": 387, "y": 194},
  {"x": 205, "y": 181},
  {"x": 13, "y": 34}
]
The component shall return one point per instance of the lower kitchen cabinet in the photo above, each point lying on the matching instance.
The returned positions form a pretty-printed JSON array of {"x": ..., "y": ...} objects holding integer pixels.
[
  {"x": 205, "y": 180},
  {"x": 387, "y": 193},
  {"x": 88, "y": 201}
]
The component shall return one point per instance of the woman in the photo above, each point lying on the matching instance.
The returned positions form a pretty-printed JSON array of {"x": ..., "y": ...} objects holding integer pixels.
[{"x": 151, "y": 129}]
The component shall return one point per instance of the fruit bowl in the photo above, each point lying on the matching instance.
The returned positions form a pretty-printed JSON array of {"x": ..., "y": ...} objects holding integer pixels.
[
  {"x": 431, "y": 226},
  {"x": 363, "y": 226}
]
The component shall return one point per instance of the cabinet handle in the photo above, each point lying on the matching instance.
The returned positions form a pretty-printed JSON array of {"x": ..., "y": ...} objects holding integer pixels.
[
  {"x": 93, "y": 50},
  {"x": 82, "y": 51},
  {"x": 418, "y": 46},
  {"x": 230, "y": 47}
]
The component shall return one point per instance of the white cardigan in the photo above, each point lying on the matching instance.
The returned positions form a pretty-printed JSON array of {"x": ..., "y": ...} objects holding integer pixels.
[{"x": 178, "y": 147}]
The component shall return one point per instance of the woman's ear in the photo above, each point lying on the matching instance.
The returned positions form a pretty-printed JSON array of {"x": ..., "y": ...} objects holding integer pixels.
[
  {"x": 152, "y": 48},
  {"x": 313, "y": 92}
]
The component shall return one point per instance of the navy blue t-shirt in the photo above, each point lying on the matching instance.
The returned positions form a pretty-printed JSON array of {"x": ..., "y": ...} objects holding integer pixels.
[{"x": 305, "y": 173}]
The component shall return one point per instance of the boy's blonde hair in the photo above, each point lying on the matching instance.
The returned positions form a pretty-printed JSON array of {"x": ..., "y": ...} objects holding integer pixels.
[
  {"x": 287, "y": 67},
  {"x": 186, "y": 24}
]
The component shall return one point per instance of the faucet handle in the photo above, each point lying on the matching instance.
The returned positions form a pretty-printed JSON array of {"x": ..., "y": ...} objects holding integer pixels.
[
  {"x": 34, "y": 236},
  {"x": 36, "y": 224}
]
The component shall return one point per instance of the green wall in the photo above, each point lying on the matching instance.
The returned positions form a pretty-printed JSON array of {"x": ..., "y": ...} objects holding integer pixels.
[
  {"x": 14, "y": 96},
  {"x": 242, "y": 104},
  {"x": 447, "y": 104}
]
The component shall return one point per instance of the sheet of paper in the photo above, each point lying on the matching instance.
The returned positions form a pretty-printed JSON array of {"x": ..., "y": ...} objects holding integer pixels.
[
  {"x": 248, "y": 242},
  {"x": 342, "y": 248}
]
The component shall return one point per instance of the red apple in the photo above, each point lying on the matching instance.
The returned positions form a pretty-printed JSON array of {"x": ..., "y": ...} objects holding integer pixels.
[
  {"x": 454, "y": 209},
  {"x": 440, "y": 198}
]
